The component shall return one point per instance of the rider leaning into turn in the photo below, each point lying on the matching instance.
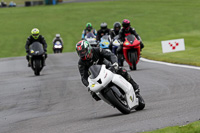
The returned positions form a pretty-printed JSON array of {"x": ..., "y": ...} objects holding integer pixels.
[
  {"x": 104, "y": 30},
  {"x": 35, "y": 37},
  {"x": 88, "y": 29},
  {"x": 127, "y": 30},
  {"x": 96, "y": 55}
]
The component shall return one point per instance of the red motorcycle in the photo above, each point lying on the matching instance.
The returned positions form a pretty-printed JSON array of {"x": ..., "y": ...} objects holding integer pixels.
[{"x": 131, "y": 51}]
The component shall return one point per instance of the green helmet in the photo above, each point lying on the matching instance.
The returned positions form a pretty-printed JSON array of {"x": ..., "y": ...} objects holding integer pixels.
[
  {"x": 35, "y": 33},
  {"x": 89, "y": 26},
  {"x": 84, "y": 50}
]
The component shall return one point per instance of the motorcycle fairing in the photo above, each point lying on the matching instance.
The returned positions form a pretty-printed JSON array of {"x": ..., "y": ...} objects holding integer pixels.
[
  {"x": 105, "y": 42},
  {"x": 36, "y": 49},
  {"x": 131, "y": 43},
  {"x": 106, "y": 76},
  {"x": 128, "y": 89},
  {"x": 91, "y": 38}
]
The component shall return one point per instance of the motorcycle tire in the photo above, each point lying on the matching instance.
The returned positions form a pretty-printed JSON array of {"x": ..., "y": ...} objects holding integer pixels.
[
  {"x": 133, "y": 59},
  {"x": 37, "y": 67},
  {"x": 117, "y": 102}
]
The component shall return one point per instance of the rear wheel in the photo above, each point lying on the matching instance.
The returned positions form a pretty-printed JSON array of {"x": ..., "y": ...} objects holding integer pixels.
[{"x": 119, "y": 103}]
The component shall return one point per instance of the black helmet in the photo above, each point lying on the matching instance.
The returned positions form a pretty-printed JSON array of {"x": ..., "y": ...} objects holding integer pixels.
[
  {"x": 117, "y": 26},
  {"x": 103, "y": 26},
  {"x": 126, "y": 23}
]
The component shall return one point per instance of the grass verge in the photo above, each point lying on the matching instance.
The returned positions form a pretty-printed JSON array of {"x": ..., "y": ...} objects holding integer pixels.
[
  {"x": 154, "y": 20},
  {"x": 190, "y": 128}
]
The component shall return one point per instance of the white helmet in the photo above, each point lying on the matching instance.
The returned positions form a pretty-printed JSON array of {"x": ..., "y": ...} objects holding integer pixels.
[{"x": 57, "y": 35}]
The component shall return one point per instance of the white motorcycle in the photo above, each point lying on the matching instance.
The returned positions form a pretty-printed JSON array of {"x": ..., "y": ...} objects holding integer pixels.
[
  {"x": 91, "y": 38},
  {"x": 114, "y": 89},
  {"x": 57, "y": 47}
]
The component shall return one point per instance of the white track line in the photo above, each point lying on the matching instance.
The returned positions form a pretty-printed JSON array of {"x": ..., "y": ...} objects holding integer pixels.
[{"x": 170, "y": 64}]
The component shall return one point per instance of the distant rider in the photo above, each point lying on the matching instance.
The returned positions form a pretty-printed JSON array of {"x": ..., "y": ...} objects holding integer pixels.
[
  {"x": 125, "y": 31},
  {"x": 57, "y": 38},
  {"x": 114, "y": 32},
  {"x": 88, "y": 29},
  {"x": 96, "y": 55},
  {"x": 35, "y": 37},
  {"x": 104, "y": 30}
]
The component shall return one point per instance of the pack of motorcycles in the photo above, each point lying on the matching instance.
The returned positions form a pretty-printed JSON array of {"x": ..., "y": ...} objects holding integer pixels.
[{"x": 109, "y": 86}]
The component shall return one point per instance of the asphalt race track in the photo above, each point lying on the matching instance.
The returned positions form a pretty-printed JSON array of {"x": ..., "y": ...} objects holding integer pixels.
[{"x": 57, "y": 102}]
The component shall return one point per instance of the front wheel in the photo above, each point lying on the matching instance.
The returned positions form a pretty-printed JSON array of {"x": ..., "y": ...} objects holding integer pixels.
[
  {"x": 133, "y": 59},
  {"x": 37, "y": 64},
  {"x": 118, "y": 102}
]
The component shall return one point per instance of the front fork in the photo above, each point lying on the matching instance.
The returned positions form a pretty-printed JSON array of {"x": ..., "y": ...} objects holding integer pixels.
[{"x": 29, "y": 58}]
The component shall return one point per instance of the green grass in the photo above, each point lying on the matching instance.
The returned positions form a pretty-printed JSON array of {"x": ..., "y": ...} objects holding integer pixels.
[
  {"x": 154, "y": 20},
  {"x": 190, "y": 128},
  {"x": 22, "y": 2}
]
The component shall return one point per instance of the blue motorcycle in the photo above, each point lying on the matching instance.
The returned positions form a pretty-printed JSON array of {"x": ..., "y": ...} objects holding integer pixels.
[{"x": 105, "y": 42}]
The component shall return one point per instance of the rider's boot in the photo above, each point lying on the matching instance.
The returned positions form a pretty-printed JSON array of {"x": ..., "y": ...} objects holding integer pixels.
[
  {"x": 135, "y": 87},
  {"x": 29, "y": 64},
  {"x": 137, "y": 91},
  {"x": 27, "y": 57}
]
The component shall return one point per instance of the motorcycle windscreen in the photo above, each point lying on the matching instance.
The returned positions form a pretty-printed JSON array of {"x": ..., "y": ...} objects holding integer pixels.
[
  {"x": 57, "y": 43},
  {"x": 36, "y": 48},
  {"x": 105, "y": 37},
  {"x": 131, "y": 38},
  {"x": 90, "y": 35},
  {"x": 94, "y": 71},
  {"x": 116, "y": 37}
]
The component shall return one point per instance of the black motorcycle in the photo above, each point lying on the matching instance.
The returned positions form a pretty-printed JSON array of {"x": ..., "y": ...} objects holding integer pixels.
[{"x": 36, "y": 57}]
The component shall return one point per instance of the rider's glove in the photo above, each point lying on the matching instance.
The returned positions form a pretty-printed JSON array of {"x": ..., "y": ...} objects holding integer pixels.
[
  {"x": 141, "y": 44},
  {"x": 116, "y": 65}
]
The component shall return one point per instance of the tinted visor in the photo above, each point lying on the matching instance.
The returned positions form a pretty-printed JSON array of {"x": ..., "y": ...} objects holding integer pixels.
[
  {"x": 82, "y": 53},
  {"x": 126, "y": 25},
  {"x": 35, "y": 34},
  {"x": 104, "y": 27},
  {"x": 116, "y": 28},
  {"x": 89, "y": 28}
]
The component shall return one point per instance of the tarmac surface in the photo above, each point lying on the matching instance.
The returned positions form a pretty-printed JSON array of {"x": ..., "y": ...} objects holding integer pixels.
[{"x": 57, "y": 102}]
